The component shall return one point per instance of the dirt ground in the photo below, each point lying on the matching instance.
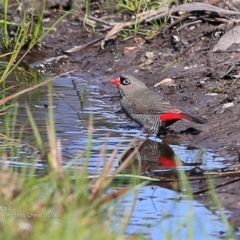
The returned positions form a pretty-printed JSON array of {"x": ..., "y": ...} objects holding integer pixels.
[{"x": 204, "y": 82}]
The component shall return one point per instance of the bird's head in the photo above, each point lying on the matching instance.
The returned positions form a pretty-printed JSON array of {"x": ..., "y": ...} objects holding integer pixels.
[{"x": 128, "y": 84}]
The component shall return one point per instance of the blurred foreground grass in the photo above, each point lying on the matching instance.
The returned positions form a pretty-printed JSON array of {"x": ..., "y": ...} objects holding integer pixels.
[
  {"x": 55, "y": 206},
  {"x": 65, "y": 203}
]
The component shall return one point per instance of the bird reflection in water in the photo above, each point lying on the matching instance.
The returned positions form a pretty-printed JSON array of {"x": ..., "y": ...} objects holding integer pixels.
[{"x": 157, "y": 159}]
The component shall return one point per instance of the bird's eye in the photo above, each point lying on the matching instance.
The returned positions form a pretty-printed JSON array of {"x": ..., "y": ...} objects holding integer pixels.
[{"x": 125, "y": 82}]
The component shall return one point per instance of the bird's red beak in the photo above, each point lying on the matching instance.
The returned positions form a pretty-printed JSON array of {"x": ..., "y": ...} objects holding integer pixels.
[{"x": 116, "y": 81}]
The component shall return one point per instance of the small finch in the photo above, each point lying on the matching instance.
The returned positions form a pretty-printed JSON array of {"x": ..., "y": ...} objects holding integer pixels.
[{"x": 148, "y": 108}]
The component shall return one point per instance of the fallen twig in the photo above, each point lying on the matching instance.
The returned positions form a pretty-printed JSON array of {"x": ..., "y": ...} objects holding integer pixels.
[
  {"x": 182, "y": 18},
  {"x": 79, "y": 48},
  {"x": 216, "y": 186}
]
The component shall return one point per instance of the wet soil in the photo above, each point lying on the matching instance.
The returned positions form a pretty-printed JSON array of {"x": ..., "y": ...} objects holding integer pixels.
[{"x": 205, "y": 82}]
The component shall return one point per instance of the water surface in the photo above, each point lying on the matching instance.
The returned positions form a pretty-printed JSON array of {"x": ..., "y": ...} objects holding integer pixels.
[{"x": 158, "y": 211}]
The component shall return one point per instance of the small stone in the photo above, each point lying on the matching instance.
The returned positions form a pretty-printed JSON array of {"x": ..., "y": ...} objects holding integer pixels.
[
  {"x": 129, "y": 49},
  {"x": 109, "y": 70},
  {"x": 148, "y": 62},
  {"x": 212, "y": 94},
  {"x": 149, "y": 55},
  {"x": 227, "y": 40},
  {"x": 192, "y": 28},
  {"x": 228, "y": 105},
  {"x": 166, "y": 82}
]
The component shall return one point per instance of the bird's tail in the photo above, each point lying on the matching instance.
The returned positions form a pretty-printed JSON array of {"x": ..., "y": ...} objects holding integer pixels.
[
  {"x": 173, "y": 116},
  {"x": 194, "y": 118}
]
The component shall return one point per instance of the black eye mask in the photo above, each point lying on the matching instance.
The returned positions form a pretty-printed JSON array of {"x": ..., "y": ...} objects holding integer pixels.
[{"x": 124, "y": 80}]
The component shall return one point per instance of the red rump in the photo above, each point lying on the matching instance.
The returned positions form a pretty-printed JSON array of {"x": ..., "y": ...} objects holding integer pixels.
[
  {"x": 164, "y": 161},
  {"x": 171, "y": 116}
]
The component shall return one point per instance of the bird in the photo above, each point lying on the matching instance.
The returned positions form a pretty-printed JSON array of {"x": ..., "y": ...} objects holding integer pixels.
[{"x": 149, "y": 108}]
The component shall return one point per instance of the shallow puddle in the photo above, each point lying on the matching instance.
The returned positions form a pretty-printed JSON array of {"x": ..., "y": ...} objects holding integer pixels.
[{"x": 158, "y": 211}]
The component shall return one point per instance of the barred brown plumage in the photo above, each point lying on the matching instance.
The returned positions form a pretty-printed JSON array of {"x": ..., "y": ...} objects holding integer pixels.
[{"x": 148, "y": 108}]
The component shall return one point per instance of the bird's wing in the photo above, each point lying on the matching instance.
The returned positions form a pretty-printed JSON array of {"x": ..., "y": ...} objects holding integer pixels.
[{"x": 151, "y": 104}]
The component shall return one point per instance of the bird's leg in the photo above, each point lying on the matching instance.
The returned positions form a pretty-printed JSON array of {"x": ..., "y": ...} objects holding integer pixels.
[
  {"x": 146, "y": 135},
  {"x": 166, "y": 131}
]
